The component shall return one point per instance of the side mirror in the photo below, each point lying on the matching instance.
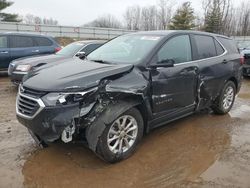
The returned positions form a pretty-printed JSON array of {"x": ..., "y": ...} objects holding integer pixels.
[
  {"x": 164, "y": 63},
  {"x": 81, "y": 55}
]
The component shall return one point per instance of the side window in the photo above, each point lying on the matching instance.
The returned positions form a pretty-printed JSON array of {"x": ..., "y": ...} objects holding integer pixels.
[
  {"x": 90, "y": 48},
  {"x": 3, "y": 42},
  {"x": 205, "y": 46},
  {"x": 177, "y": 49},
  {"x": 21, "y": 42},
  {"x": 219, "y": 48},
  {"x": 42, "y": 41},
  {"x": 229, "y": 44}
]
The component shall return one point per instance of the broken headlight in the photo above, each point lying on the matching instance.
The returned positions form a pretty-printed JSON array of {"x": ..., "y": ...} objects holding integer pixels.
[{"x": 53, "y": 99}]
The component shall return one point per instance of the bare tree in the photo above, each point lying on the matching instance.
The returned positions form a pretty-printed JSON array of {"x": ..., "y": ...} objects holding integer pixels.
[
  {"x": 107, "y": 21},
  {"x": 32, "y": 19},
  {"x": 164, "y": 13}
]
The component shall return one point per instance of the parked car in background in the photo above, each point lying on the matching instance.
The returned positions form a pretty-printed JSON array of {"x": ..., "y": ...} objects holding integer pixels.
[
  {"x": 18, "y": 45},
  {"x": 20, "y": 67},
  {"x": 127, "y": 87},
  {"x": 246, "y": 54}
]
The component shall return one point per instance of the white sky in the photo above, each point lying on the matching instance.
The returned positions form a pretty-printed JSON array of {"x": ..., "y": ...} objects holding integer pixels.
[{"x": 79, "y": 12}]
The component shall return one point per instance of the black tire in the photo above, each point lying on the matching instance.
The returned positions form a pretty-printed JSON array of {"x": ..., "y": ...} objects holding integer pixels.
[
  {"x": 103, "y": 150},
  {"x": 218, "y": 106}
]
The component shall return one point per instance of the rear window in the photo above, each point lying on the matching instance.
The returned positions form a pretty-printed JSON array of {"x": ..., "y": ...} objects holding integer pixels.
[
  {"x": 21, "y": 42},
  {"x": 229, "y": 44},
  {"x": 42, "y": 41},
  {"x": 3, "y": 42},
  {"x": 205, "y": 46},
  {"x": 90, "y": 48}
]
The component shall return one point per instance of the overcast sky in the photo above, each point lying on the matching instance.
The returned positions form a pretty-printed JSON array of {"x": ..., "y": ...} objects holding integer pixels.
[{"x": 79, "y": 12}]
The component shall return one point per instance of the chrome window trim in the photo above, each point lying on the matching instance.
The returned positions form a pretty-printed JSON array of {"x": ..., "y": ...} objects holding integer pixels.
[
  {"x": 196, "y": 61},
  {"x": 39, "y": 101}
]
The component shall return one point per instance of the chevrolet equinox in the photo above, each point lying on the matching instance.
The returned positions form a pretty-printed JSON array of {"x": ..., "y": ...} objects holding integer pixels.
[{"x": 127, "y": 87}]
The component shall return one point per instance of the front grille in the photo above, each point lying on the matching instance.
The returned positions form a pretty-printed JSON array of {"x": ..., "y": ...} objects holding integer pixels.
[
  {"x": 27, "y": 106},
  {"x": 32, "y": 92},
  {"x": 28, "y": 102}
]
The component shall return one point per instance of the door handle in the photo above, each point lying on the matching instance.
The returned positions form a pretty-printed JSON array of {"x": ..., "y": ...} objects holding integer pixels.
[
  {"x": 35, "y": 51},
  {"x": 224, "y": 61},
  {"x": 4, "y": 52}
]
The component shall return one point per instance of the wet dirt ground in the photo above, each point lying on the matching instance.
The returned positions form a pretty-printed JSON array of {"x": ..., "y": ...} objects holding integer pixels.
[{"x": 203, "y": 150}]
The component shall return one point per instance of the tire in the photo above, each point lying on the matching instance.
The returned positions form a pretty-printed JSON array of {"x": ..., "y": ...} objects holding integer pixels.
[
  {"x": 225, "y": 101},
  {"x": 112, "y": 131}
]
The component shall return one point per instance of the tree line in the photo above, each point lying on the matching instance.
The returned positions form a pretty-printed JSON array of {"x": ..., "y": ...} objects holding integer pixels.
[{"x": 219, "y": 16}]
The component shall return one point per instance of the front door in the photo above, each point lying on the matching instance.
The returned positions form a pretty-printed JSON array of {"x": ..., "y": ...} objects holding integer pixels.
[{"x": 174, "y": 88}]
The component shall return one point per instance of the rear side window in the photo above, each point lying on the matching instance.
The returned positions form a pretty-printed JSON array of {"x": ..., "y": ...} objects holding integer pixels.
[
  {"x": 90, "y": 48},
  {"x": 3, "y": 42},
  {"x": 21, "y": 42},
  {"x": 42, "y": 41},
  {"x": 229, "y": 44},
  {"x": 177, "y": 49},
  {"x": 205, "y": 46},
  {"x": 219, "y": 48}
]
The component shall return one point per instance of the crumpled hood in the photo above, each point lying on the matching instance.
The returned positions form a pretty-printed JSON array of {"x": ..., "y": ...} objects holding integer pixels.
[
  {"x": 74, "y": 73},
  {"x": 41, "y": 59}
]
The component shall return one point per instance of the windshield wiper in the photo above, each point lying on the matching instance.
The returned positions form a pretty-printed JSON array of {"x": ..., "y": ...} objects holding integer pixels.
[{"x": 101, "y": 61}]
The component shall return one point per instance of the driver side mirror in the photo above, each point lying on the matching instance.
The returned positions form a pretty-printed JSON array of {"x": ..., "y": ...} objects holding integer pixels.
[
  {"x": 164, "y": 63},
  {"x": 81, "y": 55}
]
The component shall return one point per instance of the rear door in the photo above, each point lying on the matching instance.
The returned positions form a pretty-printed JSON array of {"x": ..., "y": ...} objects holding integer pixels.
[
  {"x": 45, "y": 45},
  {"x": 174, "y": 88},
  {"x": 4, "y": 52},
  {"x": 213, "y": 67},
  {"x": 22, "y": 46}
]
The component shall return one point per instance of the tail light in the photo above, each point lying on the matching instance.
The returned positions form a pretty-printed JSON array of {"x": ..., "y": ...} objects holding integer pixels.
[
  {"x": 242, "y": 60},
  {"x": 58, "y": 49}
]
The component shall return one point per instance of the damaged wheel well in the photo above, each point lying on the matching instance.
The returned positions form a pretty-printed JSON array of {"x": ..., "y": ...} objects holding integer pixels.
[{"x": 234, "y": 80}]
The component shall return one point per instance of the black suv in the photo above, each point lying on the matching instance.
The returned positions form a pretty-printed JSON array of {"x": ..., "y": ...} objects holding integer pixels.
[{"x": 129, "y": 86}]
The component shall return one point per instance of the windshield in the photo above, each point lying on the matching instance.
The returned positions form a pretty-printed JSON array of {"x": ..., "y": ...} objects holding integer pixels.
[
  {"x": 71, "y": 49},
  {"x": 125, "y": 49}
]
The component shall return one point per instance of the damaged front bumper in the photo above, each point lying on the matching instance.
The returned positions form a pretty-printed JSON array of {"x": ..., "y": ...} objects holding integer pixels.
[{"x": 49, "y": 123}]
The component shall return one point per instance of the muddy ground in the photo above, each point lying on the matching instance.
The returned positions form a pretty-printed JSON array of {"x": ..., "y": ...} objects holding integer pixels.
[{"x": 203, "y": 150}]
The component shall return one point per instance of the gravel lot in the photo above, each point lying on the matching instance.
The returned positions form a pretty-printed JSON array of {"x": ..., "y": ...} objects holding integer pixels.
[{"x": 203, "y": 150}]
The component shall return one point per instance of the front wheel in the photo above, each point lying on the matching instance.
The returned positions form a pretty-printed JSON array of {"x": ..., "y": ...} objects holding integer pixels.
[
  {"x": 119, "y": 139},
  {"x": 225, "y": 101}
]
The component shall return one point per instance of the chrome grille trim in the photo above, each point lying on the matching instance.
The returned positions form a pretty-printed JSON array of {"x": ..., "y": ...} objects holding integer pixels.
[{"x": 19, "y": 101}]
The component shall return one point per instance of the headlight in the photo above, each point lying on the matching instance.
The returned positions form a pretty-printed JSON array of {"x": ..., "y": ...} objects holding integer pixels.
[
  {"x": 53, "y": 99},
  {"x": 23, "y": 68}
]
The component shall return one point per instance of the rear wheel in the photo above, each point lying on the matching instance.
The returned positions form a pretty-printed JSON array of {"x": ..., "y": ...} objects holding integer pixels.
[
  {"x": 119, "y": 139},
  {"x": 226, "y": 99}
]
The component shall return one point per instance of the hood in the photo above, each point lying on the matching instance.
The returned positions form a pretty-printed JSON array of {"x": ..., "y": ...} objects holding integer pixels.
[
  {"x": 74, "y": 73},
  {"x": 38, "y": 60}
]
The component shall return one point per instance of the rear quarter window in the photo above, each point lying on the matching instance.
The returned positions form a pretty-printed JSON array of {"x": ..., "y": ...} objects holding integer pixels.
[
  {"x": 229, "y": 44},
  {"x": 205, "y": 46},
  {"x": 42, "y": 41},
  {"x": 220, "y": 50},
  {"x": 21, "y": 42}
]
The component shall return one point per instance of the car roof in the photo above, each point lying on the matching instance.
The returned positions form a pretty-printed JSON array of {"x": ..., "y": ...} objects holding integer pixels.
[
  {"x": 167, "y": 32},
  {"x": 25, "y": 34},
  {"x": 84, "y": 42}
]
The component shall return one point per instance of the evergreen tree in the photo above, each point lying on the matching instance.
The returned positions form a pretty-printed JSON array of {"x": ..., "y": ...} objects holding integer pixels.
[
  {"x": 183, "y": 18},
  {"x": 7, "y": 17},
  {"x": 214, "y": 17}
]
